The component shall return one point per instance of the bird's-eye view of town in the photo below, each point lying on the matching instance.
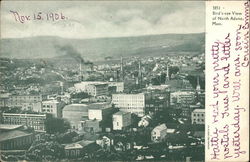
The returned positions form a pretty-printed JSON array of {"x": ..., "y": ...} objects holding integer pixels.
[{"x": 132, "y": 97}]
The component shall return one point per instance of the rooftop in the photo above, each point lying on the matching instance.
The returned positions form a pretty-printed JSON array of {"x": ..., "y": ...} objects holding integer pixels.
[
  {"x": 130, "y": 94},
  {"x": 9, "y": 127},
  {"x": 13, "y": 134},
  {"x": 121, "y": 113},
  {"x": 73, "y": 146},
  {"x": 76, "y": 107},
  {"x": 160, "y": 127},
  {"x": 86, "y": 107},
  {"x": 99, "y": 84},
  {"x": 158, "y": 87},
  {"x": 199, "y": 110},
  {"x": 25, "y": 115},
  {"x": 50, "y": 101},
  {"x": 100, "y": 105}
]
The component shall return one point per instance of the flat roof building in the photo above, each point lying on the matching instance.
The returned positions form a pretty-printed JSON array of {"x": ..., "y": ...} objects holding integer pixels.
[
  {"x": 121, "y": 120},
  {"x": 75, "y": 113},
  {"x": 133, "y": 103},
  {"x": 198, "y": 116},
  {"x": 35, "y": 121},
  {"x": 53, "y": 107}
]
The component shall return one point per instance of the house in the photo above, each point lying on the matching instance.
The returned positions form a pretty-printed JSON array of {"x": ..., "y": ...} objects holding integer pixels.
[
  {"x": 73, "y": 150},
  {"x": 90, "y": 126},
  {"x": 159, "y": 133},
  {"x": 145, "y": 121},
  {"x": 105, "y": 142},
  {"x": 80, "y": 149},
  {"x": 122, "y": 143},
  {"x": 118, "y": 143}
]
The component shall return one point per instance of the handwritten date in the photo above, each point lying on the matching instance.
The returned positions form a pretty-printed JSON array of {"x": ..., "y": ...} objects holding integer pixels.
[{"x": 52, "y": 16}]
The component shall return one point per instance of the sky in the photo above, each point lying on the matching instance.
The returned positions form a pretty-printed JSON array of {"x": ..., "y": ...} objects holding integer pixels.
[{"x": 87, "y": 19}]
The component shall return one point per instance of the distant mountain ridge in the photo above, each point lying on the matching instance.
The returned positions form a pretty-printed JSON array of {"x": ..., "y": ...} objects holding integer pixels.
[{"x": 99, "y": 48}]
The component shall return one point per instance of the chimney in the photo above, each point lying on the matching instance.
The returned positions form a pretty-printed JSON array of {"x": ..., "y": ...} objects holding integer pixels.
[
  {"x": 122, "y": 70},
  {"x": 80, "y": 69},
  {"x": 140, "y": 74},
  {"x": 167, "y": 75}
]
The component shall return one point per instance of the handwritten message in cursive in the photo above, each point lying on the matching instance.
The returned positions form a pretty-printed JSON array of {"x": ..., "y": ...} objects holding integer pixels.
[{"x": 228, "y": 60}]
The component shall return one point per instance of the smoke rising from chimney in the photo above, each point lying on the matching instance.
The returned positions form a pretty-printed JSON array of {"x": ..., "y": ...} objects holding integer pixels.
[{"x": 73, "y": 53}]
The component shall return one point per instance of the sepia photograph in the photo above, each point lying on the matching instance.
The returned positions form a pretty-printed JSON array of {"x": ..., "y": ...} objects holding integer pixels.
[{"x": 102, "y": 81}]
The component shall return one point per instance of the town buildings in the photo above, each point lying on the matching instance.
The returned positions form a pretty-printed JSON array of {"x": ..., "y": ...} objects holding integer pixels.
[
  {"x": 105, "y": 142},
  {"x": 75, "y": 113},
  {"x": 90, "y": 126},
  {"x": 100, "y": 111},
  {"x": 169, "y": 101},
  {"x": 145, "y": 121},
  {"x": 133, "y": 103},
  {"x": 84, "y": 86},
  {"x": 159, "y": 133},
  {"x": 35, "y": 121},
  {"x": 97, "y": 89},
  {"x": 24, "y": 102},
  {"x": 15, "y": 137},
  {"x": 84, "y": 115},
  {"x": 53, "y": 107},
  {"x": 119, "y": 86},
  {"x": 182, "y": 97},
  {"x": 198, "y": 116},
  {"x": 81, "y": 148},
  {"x": 121, "y": 120}
]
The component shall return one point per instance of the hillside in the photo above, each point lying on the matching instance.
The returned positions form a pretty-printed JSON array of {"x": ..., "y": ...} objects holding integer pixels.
[{"x": 98, "y": 49}]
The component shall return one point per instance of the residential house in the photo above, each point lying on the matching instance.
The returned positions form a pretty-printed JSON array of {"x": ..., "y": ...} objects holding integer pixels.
[{"x": 159, "y": 133}]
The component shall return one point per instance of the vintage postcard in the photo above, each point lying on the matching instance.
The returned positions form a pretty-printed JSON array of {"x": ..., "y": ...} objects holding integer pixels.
[{"x": 124, "y": 81}]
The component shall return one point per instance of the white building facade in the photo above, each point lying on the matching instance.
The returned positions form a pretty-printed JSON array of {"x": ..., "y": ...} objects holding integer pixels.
[
  {"x": 133, "y": 103},
  {"x": 82, "y": 86},
  {"x": 53, "y": 107},
  {"x": 182, "y": 97},
  {"x": 121, "y": 120},
  {"x": 198, "y": 116}
]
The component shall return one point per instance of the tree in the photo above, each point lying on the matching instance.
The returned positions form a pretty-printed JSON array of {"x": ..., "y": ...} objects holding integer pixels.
[
  {"x": 45, "y": 150},
  {"x": 81, "y": 95},
  {"x": 56, "y": 125}
]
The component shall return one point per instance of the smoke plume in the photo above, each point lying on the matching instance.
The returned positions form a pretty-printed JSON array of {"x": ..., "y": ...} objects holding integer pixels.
[{"x": 73, "y": 53}]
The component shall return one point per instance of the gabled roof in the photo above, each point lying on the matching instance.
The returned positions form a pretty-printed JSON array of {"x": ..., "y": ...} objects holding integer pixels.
[
  {"x": 160, "y": 127},
  {"x": 73, "y": 146}
]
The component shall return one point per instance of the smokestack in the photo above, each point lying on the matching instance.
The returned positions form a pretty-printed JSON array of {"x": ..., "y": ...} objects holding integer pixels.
[
  {"x": 117, "y": 75},
  {"x": 73, "y": 53},
  {"x": 80, "y": 70},
  {"x": 140, "y": 75},
  {"x": 167, "y": 75},
  {"x": 122, "y": 70}
]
